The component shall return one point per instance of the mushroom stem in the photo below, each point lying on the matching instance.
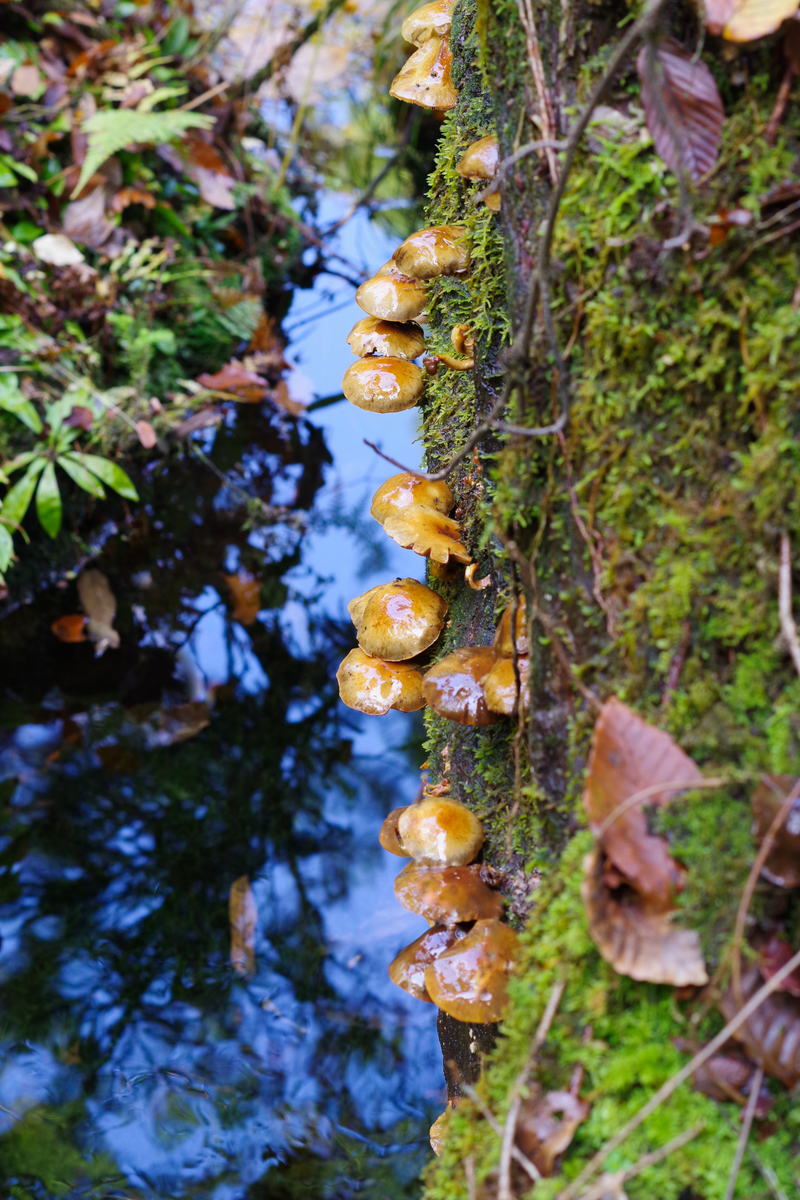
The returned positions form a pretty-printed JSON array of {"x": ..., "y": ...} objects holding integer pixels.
[
  {"x": 432, "y": 361},
  {"x": 462, "y": 339}
]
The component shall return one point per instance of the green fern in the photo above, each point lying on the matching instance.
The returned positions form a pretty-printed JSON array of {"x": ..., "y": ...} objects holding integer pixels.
[{"x": 114, "y": 128}]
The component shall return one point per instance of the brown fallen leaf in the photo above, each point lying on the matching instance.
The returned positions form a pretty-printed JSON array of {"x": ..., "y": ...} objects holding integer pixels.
[
  {"x": 234, "y": 378},
  {"x": 199, "y": 420},
  {"x": 132, "y": 195},
  {"x": 280, "y": 395},
  {"x": 243, "y": 915},
  {"x": 85, "y": 220},
  {"x": 725, "y": 220},
  {"x": 642, "y": 943},
  {"x": 686, "y": 89},
  {"x": 775, "y": 955},
  {"x": 179, "y": 722},
  {"x": 80, "y": 418},
  {"x": 100, "y": 605},
  {"x": 783, "y": 861},
  {"x": 753, "y": 19},
  {"x": 629, "y": 756},
  {"x": 209, "y": 171},
  {"x": 70, "y": 628},
  {"x": 771, "y": 1036},
  {"x": 717, "y": 14},
  {"x": 147, "y": 435},
  {"x": 26, "y": 81},
  {"x": 246, "y": 592},
  {"x": 723, "y": 1076},
  {"x": 547, "y": 1126}
]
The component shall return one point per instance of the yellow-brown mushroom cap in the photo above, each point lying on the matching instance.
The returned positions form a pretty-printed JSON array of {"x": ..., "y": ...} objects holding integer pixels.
[
  {"x": 387, "y": 339},
  {"x": 388, "y": 835},
  {"x": 392, "y": 296},
  {"x": 469, "y": 980},
  {"x": 502, "y": 637},
  {"x": 480, "y": 160},
  {"x": 447, "y": 895},
  {"x": 427, "y": 532},
  {"x": 384, "y": 385},
  {"x": 432, "y": 20},
  {"x": 407, "y": 970},
  {"x": 440, "y": 832},
  {"x": 396, "y": 621},
  {"x": 454, "y": 688},
  {"x": 439, "y": 250},
  {"x": 374, "y": 687},
  {"x": 403, "y": 490},
  {"x": 500, "y": 686},
  {"x": 426, "y": 79}
]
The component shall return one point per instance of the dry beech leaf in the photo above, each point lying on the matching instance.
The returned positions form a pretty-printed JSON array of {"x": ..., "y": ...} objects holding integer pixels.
[
  {"x": 147, "y": 435},
  {"x": 547, "y": 1126},
  {"x": 246, "y": 592},
  {"x": 775, "y": 955},
  {"x": 85, "y": 220},
  {"x": 178, "y": 723},
  {"x": 243, "y": 384},
  {"x": 771, "y": 1036},
  {"x": 690, "y": 96},
  {"x": 242, "y": 915},
  {"x": 627, "y": 756},
  {"x": 643, "y": 944},
  {"x": 723, "y": 1073},
  {"x": 70, "y": 628},
  {"x": 783, "y": 861},
  {"x": 132, "y": 195},
  {"x": 753, "y": 19},
  {"x": 80, "y": 418}
]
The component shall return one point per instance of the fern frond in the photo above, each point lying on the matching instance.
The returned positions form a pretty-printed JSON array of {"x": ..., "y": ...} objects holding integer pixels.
[{"x": 112, "y": 129}]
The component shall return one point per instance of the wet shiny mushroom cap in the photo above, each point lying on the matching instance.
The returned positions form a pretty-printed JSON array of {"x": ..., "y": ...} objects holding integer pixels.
[
  {"x": 440, "y": 832},
  {"x": 388, "y": 835},
  {"x": 396, "y": 621},
  {"x": 384, "y": 385},
  {"x": 469, "y": 980},
  {"x": 439, "y": 250},
  {"x": 408, "y": 969},
  {"x": 392, "y": 296},
  {"x": 373, "y": 686},
  {"x": 388, "y": 339},
  {"x": 447, "y": 895},
  {"x": 454, "y": 688},
  {"x": 427, "y": 532},
  {"x": 432, "y": 20},
  {"x": 479, "y": 161},
  {"x": 502, "y": 637},
  {"x": 401, "y": 491},
  {"x": 500, "y": 686},
  {"x": 425, "y": 79}
]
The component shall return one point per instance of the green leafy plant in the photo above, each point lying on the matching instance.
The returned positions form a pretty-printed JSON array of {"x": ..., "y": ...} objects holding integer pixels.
[{"x": 112, "y": 129}]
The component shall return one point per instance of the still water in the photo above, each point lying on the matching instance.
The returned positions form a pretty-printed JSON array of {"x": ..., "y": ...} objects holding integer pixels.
[{"x": 137, "y": 787}]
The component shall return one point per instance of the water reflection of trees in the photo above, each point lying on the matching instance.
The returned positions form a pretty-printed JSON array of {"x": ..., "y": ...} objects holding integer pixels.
[{"x": 117, "y": 860}]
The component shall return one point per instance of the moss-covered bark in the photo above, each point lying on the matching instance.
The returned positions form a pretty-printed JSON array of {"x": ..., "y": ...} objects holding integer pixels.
[{"x": 653, "y": 529}]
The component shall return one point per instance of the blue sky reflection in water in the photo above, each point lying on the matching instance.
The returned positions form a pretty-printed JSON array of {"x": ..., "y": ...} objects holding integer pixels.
[{"x": 129, "y": 809}]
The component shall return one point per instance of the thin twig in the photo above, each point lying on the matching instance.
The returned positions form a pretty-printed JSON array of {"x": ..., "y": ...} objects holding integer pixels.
[
  {"x": 750, "y": 887},
  {"x": 766, "y": 1172},
  {"x": 469, "y": 1172},
  {"x": 493, "y": 1122},
  {"x": 666, "y": 1090},
  {"x": 781, "y": 100},
  {"x": 744, "y": 1136},
  {"x": 788, "y": 627},
  {"x": 612, "y": 1183},
  {"x": 546, "y": 117}
]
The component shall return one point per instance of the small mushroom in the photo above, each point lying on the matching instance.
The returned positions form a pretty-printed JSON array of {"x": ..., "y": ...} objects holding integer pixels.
[
  {"x": 480, "y": 161},
  {"x": 427, "y": 532},
  {"x": 447, "y": 895},
  {"x": 396, "y": 621},
  {"x": 373, "y": 686},
  {"x": 384, "y": 385},
  {"x": 392, "y": 296},
  {"x": 425, "y": 79},
  {"x": 454, "y": 688},
  {"x": 439, "y": 250},
  {"x": 407, "y": 970},
  {"x": 502, "y": 637},
  {"x": 432, "y": 20},
  {"x": 387, "y": 339},
  {"x": 440, "y": 832},
  {"x": 500, "y": 686},
  {"x": 388, "y": 835},
  {"x": 438, "y": 1129},
  {"x": 401, "y": 491},
  {"x": 468, "y": 981}
]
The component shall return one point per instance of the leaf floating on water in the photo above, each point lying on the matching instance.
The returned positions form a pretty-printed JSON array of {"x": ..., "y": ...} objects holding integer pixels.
[
  {"x": 547, "y": 1126},
  {"x": 70, "y": 628},
  {"x": 629, "y": 756},
  {"x": 243, "y": 384},
  {"x": 243, "y": 915},
  {"x": 100, "y": 605},
  {"x": 783, "y": 861},
  {"x": 753, "y": 19},
  {"x": 147, "y": 435},
  {"x": 246, "y": 592},
  {"x": 688, "y": 93},
  {"x": 771, "y": 1035},
  {"x": 641, "y": 943}
]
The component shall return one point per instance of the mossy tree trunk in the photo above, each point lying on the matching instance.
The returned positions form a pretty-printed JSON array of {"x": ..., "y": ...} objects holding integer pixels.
[{"x": 652, "y": 529}]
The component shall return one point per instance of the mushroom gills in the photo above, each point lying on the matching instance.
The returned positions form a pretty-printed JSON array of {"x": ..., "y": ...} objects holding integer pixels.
[
  {"x": 373, "y": 686},
  {"x": 425, "y": 79},
  {"x": 386, "y": 339}
]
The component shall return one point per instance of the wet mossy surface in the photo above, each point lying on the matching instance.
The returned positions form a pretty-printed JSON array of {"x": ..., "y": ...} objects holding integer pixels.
[{"x": 654, "y": 532}]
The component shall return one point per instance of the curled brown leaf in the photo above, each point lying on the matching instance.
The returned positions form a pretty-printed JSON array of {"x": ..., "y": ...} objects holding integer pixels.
[{"x": 682, "y": 107}]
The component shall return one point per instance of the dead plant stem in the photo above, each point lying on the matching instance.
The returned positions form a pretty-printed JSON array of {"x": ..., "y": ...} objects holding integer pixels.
[
  {"x": 610, "y": 1184},
  {"x": 744, "y": 1136}
]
